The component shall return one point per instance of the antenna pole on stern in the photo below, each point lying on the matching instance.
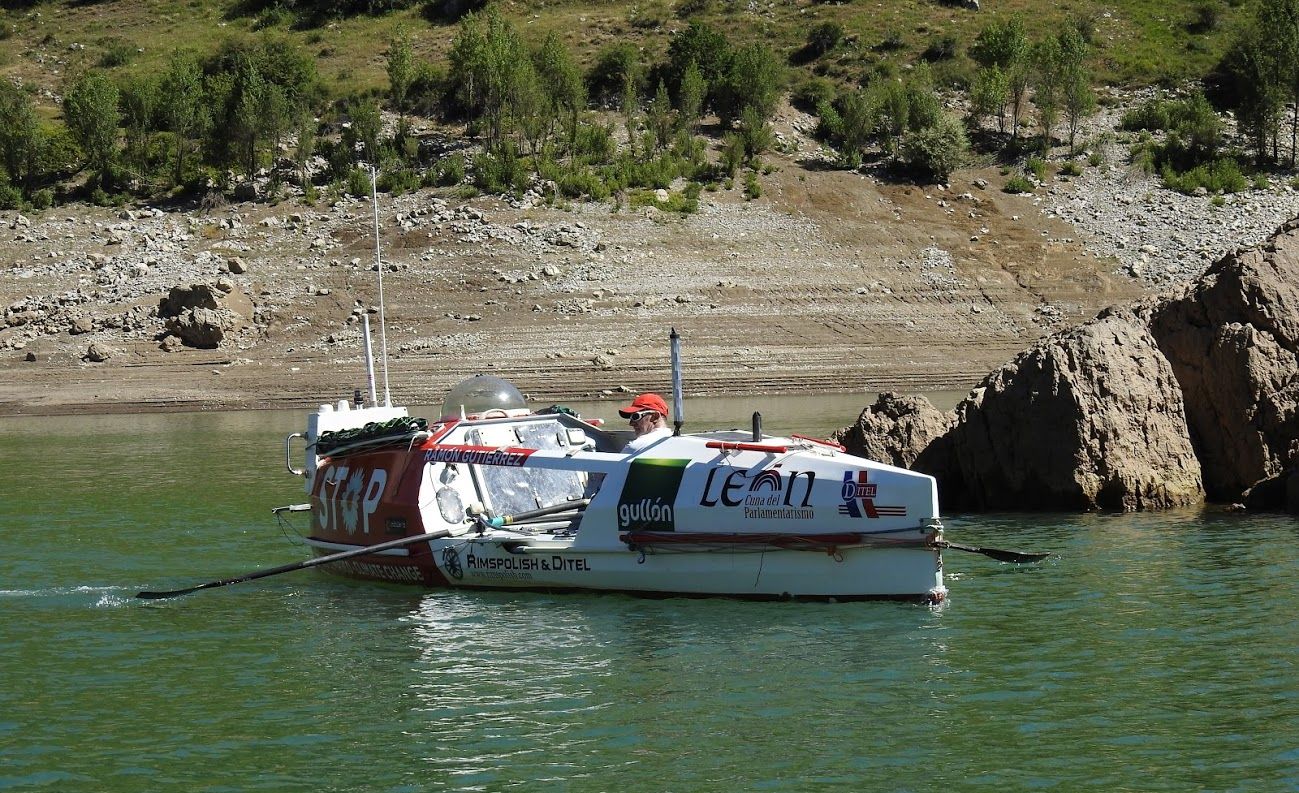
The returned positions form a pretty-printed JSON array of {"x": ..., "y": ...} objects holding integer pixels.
[{"x": 378, "y": 263}]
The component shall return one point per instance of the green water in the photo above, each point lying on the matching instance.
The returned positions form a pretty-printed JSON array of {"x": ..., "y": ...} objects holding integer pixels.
[{"x": 1154, "y": 653}]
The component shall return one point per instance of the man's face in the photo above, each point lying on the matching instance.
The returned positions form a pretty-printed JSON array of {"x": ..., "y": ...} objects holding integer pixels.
[{"x": 642, "y": 421}]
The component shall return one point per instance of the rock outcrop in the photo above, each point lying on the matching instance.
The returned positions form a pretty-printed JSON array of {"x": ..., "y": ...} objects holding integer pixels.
[
  {"x": 201, "y": 315},
  {"x": 1090, "y": 418},
  {"x": 1189, "y": 395},
  {"x": 1232, "y": 338}
]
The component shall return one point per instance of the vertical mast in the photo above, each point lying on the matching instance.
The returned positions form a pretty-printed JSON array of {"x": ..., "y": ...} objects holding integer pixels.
[
  {"x": 378, "y": 261},
  {"x": 678, "y": 417}
]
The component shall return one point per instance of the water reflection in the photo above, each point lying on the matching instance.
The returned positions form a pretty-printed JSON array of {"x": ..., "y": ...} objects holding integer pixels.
[{"x": 511, "y": 685}]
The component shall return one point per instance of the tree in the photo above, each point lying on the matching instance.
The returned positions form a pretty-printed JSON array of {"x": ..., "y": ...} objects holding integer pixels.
[
  {"x": 609, "y": 73},
  {"x": 1076, "y": 94},
  {"x": 988, "y": 96},
  {"x": 486, "y": 58},
  {"x": 661, "y": 118},
  {"x": 890, "y": 111},
  {"x": 90, "y": 112},
  {"x": 694, "y": 91},
  {"x": 180, "y": 97},
  {"x": 244, "y": 117},
  {"x": 563, "y": 82},
  {"x": 531, "y": 108},
  {"x": 468, "y": 59},
  {"x": 1280, "y": 19},
  {"x": 755, "y": 132},
  {"x": 1252, "y": 76},
  {"x": 706, "y": 48},
  {"x": 21, "y": 137},
  {"x": 630, "y": 107},
  {"x": 1005, "y": 45},
  {"x": 305, "y": 133},
  {"x": 253, "y": 87},
  {"x": 1048, "y": 79},
  {"x": 401, "y": 71},
  {"x": 755, "y": 78},
  {"x": 364, "y": 131},
  {"x": 139, "y": 110}
]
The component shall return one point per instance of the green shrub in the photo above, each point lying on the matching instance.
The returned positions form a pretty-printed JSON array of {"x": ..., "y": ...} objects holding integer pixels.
[
  {"x": 582, "y": 182},
  {"x": 117, "y": 53},
  {"x": 401, "y": 180},
  {"x": 1018, "y": 184},
  {"x": 1143, "y": 156},
  {"x": 752, "y": 189},
  {"x": 1220, "y": 176},
  {"x": 358, "y": 182},
  {"x": 1218, "y": 201},
  {"x": 1071, "y": 168},
  {"x": 1037, "y": 167},
  {"x": 595, "y": 144},
  {"x": 1154, "y": 115},
  {"x": 43, "y": 199},
  {"x": 1096, "y": 158},
  {"x": 937, "y": 150},
  {"x": 501, "y": 170},
  {"x": 941, "y": 48},
  {"x": 451, "y": 170},
  {"x": 732, "y": 155},
  {"x": 892, "y": 42},
  {"x": 1261, "y": 182},
  {"x": 823, "y": 37},
  {"x": 809, "y": 94},
  {"x": 676, "y": 202},
  {"x": 10, "y": 197}
]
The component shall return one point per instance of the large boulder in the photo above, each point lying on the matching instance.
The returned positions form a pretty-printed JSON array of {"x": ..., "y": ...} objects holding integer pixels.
[
  {"x": 202, "y": 315},
  {"x": 1089, "y": 418},
  {"x": 901, "y": 430},
  {"x": 1232, "y": 339}
]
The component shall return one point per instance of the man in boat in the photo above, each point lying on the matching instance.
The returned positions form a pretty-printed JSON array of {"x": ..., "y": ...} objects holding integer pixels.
[{"x": 648, "y": 415}]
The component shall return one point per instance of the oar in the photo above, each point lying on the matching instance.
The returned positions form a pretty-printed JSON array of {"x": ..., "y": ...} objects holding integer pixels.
[
  {"x": 288, "y": 568},
  {"x": 995, "y": 553},
  {"x": 508, "y": 520}
]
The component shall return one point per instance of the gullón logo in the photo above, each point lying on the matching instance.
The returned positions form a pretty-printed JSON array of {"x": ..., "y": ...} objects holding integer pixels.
[{"x": 648, "y": 500}]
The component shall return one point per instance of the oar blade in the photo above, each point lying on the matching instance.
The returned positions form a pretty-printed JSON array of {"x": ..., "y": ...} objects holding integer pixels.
[
  {"x": 1000, "y": 554},
  {"x": 1018, "y": 557},
  {"x": 163, "y": 595}
]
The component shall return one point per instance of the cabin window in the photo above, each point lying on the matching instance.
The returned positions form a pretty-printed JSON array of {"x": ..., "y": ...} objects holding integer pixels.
[{"x": 509, "y": 490}]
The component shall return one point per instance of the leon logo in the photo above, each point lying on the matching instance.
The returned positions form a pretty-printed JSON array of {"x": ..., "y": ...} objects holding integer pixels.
[
  {"x": 859, "y": 498},
  {"x": 349, "y": 497},
  {"x": 649, "y": 496}
]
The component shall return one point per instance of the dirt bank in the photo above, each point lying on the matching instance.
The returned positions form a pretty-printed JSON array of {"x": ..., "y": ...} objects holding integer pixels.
[{"x": 829, "y": 282}]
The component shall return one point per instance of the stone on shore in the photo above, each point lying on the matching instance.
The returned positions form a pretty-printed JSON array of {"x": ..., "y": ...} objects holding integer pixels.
[
  {"x": 902, "y": 431},
  {"x": 202, "y": 315}
]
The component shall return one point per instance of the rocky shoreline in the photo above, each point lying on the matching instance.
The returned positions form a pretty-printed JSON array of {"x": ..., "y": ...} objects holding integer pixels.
[
  {"x": 1186, "y": 397},
  {"x": 830, "y": 282}
]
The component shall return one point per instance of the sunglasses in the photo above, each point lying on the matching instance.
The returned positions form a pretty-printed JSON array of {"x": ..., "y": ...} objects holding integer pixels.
[{"x": 640, "y": 414}]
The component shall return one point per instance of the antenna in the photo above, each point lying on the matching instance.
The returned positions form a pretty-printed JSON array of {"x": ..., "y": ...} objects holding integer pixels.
[
  {"x": 369, "y": 366},
  {"x": 378, "y": 261},
  {"x": 678, "y": 417}
]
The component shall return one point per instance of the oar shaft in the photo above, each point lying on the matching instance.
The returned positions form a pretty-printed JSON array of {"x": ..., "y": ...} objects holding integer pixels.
[{"x": 313, "y": 562}]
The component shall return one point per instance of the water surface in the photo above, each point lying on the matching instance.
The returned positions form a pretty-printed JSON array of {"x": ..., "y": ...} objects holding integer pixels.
[{"x": 1153, "y": 653}]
